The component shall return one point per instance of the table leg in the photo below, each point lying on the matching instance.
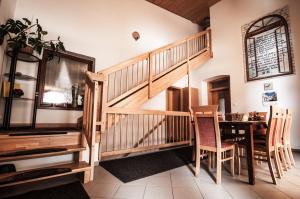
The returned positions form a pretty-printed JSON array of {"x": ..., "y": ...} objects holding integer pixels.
[{"x": 250, "y": 154}]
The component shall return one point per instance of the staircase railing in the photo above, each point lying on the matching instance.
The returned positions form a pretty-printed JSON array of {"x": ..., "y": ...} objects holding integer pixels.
[
  {"x": 126, "y": 78},
  {"x": 133, "y": 130}
]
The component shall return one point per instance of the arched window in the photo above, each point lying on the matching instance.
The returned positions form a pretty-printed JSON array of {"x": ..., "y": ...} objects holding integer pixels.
[{"x": 267, "y": 48}]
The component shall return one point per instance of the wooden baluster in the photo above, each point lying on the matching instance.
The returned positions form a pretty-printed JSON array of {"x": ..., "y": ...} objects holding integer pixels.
[
  {"x": 201, "y": 42},
  {"x": 159, "y": 64},
  {"x": 143, "y": 62},
  {"x": 180, "y": 128},
  {"x": 157, "y": 124},
  {"x": 198, "y": 45},
  {"x": 162, "y": 129},
  {"x": 114, "y": 134},
  {"x": 166, "y": 129},
  {"x": 108, "y": 88},
  {"x": 132, "y": 131},
  {"x": 127, "y": 121},
  {"x": 115, "y": 77},
  {"x": 181, "y": 53},
  {"x": 132, "y": 76},
  {"x": 138, "y": 130},
  {"x": 164, "y": 59},
  {"x": 153, "y": 140},
  {"x": 173, "y": 60},
  {"x": 186, "y": 129},
  {"x": 107, "y": 133},
  {"x": 148, "y": 125},
  {"x": 153, "y": 64},
  {"x": 137, "y": 72},
  {"x": 150, "y": 66},
  {"x": 121, "y": 134},
  {"x": 143, "y": 130},
  {"x": 173, "y": 128},
  {"x": 127, "y": 79},
  {"x": 121, "y": 82},
  {"x": 194, "y": 46},
  {"x": 169, "y": 58}
]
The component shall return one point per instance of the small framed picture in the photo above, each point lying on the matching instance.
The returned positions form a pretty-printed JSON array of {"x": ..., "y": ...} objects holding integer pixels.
[
  {"x": 268, "y": 86},
  {"x": 269, "y": 98}
]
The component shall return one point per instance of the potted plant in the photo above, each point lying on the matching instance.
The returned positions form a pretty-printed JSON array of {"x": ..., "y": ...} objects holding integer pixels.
[{"x": 25, "y": 36}]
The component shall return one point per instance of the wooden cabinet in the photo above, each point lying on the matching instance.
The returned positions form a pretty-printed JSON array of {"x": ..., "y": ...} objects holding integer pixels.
[
  {"x": 194, "y": 98},
  {"x": 178, "y": 100}
]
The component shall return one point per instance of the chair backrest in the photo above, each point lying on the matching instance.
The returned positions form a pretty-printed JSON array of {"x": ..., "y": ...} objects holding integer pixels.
[
  {"x": 287, "y": 127},
  {"x": 234, "y": 116},
  {"x": 275, "y": 126},
  {"x": 207, "y": 126},
  {"x": 257, "y": 116}
]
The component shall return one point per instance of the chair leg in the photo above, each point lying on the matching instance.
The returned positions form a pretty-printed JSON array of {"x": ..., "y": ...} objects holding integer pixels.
[
  {"x": 197, "y": 170},
  {"x": 271, "y": 168},
  {"x": 288, "y": 160},
  {"x": 213, "y": 160},
  {"x": 291, "y": 155},
  {"x": 282, "y": 158},
  {"x": 277, "y": 165},
  {"x": 194, "y": 153},
  {"x": 219, "y": 168},
  {"x": 209, "y": 165},
  {"x": 232, "y": 161},
  {"x": 239, "y": 160}
]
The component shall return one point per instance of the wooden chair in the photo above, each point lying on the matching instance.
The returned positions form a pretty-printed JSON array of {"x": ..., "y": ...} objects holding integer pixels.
[
  {"x": 279, "y": 142},
  {"x": 259, "y": 132},
  {"x": 208, "y": 139},
  {"x": 265, "y": 150},
  {"x": 286, "y": 139}
]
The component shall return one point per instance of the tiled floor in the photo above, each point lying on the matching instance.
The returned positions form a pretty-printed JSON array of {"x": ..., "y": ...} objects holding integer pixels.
[{"x": 180, "y": 183}]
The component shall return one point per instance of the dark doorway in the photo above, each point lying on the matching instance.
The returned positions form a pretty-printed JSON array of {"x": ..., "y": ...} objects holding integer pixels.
[{"x": 219, "y": 93}]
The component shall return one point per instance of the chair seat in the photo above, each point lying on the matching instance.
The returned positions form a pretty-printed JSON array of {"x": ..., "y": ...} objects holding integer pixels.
[{"x": 224, "y": 146}]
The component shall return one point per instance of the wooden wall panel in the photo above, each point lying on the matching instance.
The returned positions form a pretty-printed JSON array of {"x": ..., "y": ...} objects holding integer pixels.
[{"x": 193, "y": 10}]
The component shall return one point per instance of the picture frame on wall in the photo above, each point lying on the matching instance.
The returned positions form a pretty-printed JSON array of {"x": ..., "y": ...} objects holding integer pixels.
[
  {"x": 267, "y": 46},
  {"x": 268, "y": 86},
  {"x": 269, "y": 98}
]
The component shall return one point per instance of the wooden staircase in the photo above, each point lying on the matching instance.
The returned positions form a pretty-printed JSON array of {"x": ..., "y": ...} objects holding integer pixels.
[{"x": 112, "y": 114}]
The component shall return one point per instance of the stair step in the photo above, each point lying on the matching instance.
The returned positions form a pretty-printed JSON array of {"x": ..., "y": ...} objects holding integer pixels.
[
  {"x": 19, "y": 142},
  {"x": 19, "y": 177},
  {"x": 39, "y": 152}
]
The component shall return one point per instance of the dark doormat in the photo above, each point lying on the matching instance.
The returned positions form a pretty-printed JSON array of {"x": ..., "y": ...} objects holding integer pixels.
[
  {"x": 69, "y": 191},
  {"x": 134, "y": 168}
]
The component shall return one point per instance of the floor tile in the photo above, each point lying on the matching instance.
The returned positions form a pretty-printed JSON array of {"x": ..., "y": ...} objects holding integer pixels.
[
  {"x": 187, "y": 193},
  {"x": 130, "y": 191},
  {"x": 103, "y": 190},
  {"x": 156, "y": 192},
  {"x": 159, "y": 181}
]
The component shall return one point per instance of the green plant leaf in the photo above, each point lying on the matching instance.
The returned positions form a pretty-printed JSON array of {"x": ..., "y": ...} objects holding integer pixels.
[
  {"x": 27, "y": 21},
  {"x": 44, "y": 32}
]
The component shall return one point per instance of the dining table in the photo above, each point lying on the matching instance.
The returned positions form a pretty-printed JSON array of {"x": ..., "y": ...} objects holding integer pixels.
[{"x": 248, "y": 127}]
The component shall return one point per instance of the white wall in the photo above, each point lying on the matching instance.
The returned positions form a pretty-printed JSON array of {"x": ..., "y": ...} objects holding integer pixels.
[
  {"x": 227, "y": 18},
  {"x": 7, "y": 9},
  {"x": 102, "y": 29}
]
